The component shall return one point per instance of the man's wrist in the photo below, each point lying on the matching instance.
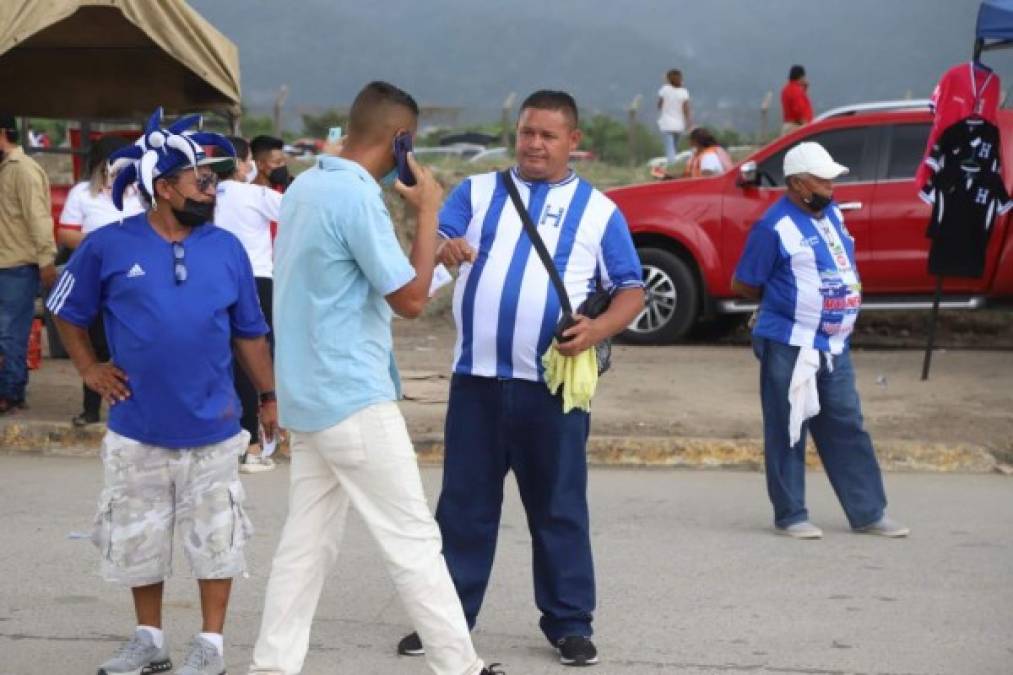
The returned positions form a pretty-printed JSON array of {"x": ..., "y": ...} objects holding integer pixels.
[
  {"x": 268, "y": 396},
  {"x": 599, "y": 332},
  {"x": 428, "y": 217}
]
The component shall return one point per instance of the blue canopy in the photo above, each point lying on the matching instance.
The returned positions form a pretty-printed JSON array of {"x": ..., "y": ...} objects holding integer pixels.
[{"x": 995, "y": 23}]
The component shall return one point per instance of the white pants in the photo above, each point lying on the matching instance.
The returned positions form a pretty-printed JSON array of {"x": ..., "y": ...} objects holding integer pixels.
[{"x": 366, "y": 460}]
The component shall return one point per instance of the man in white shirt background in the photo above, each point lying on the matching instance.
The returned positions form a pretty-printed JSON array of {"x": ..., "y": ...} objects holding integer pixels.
[
  {"x": 270, "y": 161},
  {"x": 89, "y": 206},
  {"x": 675, "y": 116},
  {"x": 247, "y": 210}
]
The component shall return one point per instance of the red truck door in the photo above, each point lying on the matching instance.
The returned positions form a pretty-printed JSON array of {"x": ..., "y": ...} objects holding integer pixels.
[
  {"x": 851, "y": 146},
  {"x": 899, "y": 220}
]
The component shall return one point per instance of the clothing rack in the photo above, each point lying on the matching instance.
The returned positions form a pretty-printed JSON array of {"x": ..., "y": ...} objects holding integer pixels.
[{"x": 994, "y": 30}]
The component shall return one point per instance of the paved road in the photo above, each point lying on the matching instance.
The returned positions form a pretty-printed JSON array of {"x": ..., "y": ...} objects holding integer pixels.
[{"x": 691, "y": 581}]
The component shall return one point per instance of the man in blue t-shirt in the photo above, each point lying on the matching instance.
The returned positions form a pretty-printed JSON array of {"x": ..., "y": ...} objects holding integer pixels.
[
  {"x": 799, "y": 261},
  {"x": 175, "y": 294}
]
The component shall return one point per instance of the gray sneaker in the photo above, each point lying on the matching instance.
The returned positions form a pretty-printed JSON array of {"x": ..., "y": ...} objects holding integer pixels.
[
  {"x": 885, "y": 527},
  {"x": 139, "y": 656},
  {"x": 802, "y": 530},
  {"x": 202, "y": 658}
]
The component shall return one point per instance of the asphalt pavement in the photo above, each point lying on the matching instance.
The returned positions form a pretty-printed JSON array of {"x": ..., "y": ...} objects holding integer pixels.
[{"x": 691, "y": 580}]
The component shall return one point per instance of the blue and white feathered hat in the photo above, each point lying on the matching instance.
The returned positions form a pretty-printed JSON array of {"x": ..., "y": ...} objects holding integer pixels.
[{"x": 159, "y": 152}]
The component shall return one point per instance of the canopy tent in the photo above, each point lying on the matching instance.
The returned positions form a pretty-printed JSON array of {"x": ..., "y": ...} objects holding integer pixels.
[
  {"x": 994, "y": 29},
  {"x": 113, "y": 59}
]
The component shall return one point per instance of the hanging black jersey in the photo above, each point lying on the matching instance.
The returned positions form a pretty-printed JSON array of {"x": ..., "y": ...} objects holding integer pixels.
[{"x": 967, "y": 194}]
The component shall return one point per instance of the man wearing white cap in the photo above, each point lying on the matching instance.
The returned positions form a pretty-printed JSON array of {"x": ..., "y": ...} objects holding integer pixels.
[{"x": 799, "y": 261}]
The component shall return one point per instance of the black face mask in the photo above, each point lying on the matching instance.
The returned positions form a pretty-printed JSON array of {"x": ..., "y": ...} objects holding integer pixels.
[
  {"x": 279, "y": 176},
  {"x": 818, "y": 202},
  {"x": 195, "y": 213}
]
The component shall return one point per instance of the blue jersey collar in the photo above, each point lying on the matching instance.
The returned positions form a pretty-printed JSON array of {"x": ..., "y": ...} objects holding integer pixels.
[{"x": 570, "y": 177}]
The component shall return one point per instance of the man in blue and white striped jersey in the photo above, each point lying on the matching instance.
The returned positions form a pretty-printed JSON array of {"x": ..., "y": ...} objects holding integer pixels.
[
  {"x": 501, "y": 416},
  {"x": 799, "y": 261}
]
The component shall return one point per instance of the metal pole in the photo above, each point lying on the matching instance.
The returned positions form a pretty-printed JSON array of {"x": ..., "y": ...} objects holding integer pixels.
[
  {"x": 279, "y": 103},
  {"x": 933, "y": 318},
  {"x": 765, "y": 115},
  {"x": 631, "y": 120},
  {"x": 508, "y": 106},
  {"x": 26, "y": 142}
]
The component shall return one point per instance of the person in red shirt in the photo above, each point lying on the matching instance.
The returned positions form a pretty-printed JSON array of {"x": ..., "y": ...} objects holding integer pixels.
[{"x": 795, "y": 101}]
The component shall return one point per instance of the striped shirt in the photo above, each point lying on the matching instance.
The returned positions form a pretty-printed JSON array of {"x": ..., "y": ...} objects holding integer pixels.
[
  {"x": 806, "y": 267},
  {"x": 505, "y": 306}
]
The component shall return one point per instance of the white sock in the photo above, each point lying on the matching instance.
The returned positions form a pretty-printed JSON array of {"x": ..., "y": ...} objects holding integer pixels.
[
  {"x": 156, "y": 635},
  {"x": 216, "y": 639}
]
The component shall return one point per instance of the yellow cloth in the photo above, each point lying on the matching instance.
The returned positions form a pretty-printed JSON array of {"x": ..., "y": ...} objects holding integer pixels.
[{"x": 576, "y": 375}]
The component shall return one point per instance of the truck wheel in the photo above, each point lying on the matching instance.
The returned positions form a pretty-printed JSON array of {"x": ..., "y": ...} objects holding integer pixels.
[{"x": 672, "y": 301}]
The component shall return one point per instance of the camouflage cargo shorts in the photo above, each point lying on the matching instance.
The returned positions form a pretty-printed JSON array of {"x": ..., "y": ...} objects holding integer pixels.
[{"x": 150, "y": 492}]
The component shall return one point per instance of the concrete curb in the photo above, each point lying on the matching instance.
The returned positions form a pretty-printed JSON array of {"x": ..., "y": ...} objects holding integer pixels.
[
  {"x": 747, "y": 454},
  {"x": 54, "y": 438}
]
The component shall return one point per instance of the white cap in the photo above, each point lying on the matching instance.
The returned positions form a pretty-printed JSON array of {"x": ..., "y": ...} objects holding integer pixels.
[{"x": 812, "y": 158}]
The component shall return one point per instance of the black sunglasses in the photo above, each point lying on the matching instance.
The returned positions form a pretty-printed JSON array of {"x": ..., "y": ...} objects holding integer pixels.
[
  {"x": 203, "y": 181},
  {"x": 179, "y": 267}
]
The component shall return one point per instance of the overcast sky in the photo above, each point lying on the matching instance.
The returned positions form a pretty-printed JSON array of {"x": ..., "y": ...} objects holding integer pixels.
[{"x": 473, "y": 54}]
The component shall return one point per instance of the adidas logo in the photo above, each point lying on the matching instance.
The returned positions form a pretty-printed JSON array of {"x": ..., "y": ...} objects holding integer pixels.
[{"x": 135, "y": 271}]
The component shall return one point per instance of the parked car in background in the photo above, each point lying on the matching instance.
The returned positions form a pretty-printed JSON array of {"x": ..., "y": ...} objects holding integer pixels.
[
  {"x": 499, "y": 153},
  {"x": 459, "y": 150},
  {"x": 490, "y": 155},
  {"x": 690, "y": 233}
]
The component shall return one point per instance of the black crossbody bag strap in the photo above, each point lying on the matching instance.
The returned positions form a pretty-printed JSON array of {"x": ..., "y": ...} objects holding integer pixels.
[{"x": 536, "y": 241}]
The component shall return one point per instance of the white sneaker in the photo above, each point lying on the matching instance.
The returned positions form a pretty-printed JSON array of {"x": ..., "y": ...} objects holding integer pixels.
[
  {"x": 255, "y": 464},
  {"x": 802, "y": 530},
  {"x": 885, "y": 527}
]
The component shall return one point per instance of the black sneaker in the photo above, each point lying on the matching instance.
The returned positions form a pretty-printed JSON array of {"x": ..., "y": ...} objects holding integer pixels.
[
  {"x": 84, "y": 419},
  {"x": 411, "y": 645},
  {"x": 490, "y": 670},
  {"x": 577, "y": 650}
]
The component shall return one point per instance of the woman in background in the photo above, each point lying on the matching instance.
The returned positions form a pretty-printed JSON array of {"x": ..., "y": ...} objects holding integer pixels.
[
  {"x": 89, "y": 206},
  {"x": 675, "y": 116}
]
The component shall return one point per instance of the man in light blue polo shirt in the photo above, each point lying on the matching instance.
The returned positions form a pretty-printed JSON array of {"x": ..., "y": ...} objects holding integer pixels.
[{"x": 339, "y": 273}]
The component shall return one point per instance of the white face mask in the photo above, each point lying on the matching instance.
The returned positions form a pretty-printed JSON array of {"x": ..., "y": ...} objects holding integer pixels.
[{"x": 252, "y": 174}]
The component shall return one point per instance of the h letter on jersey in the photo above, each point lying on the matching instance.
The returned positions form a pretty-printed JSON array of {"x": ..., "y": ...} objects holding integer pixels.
[{"x": 556, "y": 217}]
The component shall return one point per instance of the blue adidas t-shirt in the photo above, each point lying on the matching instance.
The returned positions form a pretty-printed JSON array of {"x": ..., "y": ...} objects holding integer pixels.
[
  {"x": 173, "y": 340},
  {"x": 806, "y": 267}
]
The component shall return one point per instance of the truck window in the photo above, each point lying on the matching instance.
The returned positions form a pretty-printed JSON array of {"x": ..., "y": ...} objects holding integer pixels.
[
  {"x": 846, "y": 146},
  {"x": 907, "y": 146}
]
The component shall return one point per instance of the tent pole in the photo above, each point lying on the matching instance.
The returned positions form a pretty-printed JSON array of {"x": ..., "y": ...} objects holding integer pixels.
[{"x": 933, "y": 318}]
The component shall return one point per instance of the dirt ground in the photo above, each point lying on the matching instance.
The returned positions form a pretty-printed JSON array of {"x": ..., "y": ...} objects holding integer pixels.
[{"x": 711, "y": 391}]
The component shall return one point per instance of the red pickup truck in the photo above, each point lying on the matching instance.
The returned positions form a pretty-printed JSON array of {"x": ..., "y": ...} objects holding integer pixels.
[{"x": 690, "y": 232}]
